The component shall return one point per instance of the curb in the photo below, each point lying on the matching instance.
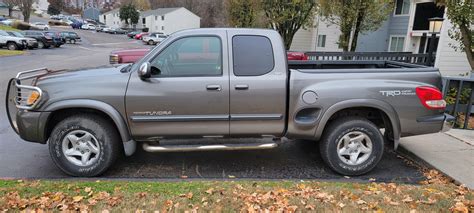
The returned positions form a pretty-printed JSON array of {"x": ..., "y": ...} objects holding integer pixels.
[{"x": 421, "y": 162}]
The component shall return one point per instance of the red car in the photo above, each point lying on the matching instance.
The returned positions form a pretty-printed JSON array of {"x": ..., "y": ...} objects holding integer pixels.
[
  {"x": 125, "y": 56},
  {"x": 139, "y": 36}
]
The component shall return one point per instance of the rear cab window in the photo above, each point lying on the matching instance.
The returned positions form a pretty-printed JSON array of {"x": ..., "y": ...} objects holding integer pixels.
[{"x": 252, "y": 55}]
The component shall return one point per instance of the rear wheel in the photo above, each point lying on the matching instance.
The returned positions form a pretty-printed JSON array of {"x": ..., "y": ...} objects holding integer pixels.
[
  {"x": 12, "y": 46},
  {"x": 150, "y": 42},
  {"x": 73, "y": 41},
  {"x": 352, "y": 146},
  {"x": 84, "y": 145},
  {"x": 41, "y": 45}
]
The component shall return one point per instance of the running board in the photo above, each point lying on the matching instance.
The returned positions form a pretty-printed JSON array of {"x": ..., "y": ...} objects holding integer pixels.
[{"x": 192, "y": 148}]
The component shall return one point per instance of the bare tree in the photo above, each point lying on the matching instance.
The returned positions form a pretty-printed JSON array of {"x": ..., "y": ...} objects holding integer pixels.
[
  {"x": 25, "y": 7},
  {"x": 10, "y": 5}
]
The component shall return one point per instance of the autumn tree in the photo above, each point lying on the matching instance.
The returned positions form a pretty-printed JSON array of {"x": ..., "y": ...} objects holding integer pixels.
[
  {"x": 242, "y": 13},
  {"x": 354, "y": 17},
  {"x": 55, "y": 7},
  {"x": 142, "y": 5},
  {"x": 288, "y": 16},
  {"x": 461, "y": 15},
  {"x": 129, "y": 14}
]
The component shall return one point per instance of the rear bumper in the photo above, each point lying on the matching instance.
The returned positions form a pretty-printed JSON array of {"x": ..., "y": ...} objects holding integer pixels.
[{"x": 445, "y": 121}]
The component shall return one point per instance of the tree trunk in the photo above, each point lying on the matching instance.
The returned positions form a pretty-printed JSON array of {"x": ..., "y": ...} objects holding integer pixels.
[
  {"x": 467, "y": 41},
  {"x": 360, "y": 17},
  {"x": 10, "y": 11}
]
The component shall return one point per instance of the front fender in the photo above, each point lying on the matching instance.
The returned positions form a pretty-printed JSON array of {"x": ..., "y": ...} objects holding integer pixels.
[
  {"x": 129, "y": 144},
  {"x": 381, "y": 105}
]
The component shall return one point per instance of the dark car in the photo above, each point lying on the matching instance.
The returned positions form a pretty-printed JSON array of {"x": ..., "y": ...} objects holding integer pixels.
[
  {"x": 117, "y": 31},
  {"x": 44, "y": 40},
  {"x": 70, "y": 37},
  {"x": 57, "y": 38},
  {"x": 132, "y": 34},
  {"x": 76, "y": 25},
  {"x": 31, "y": 42}
]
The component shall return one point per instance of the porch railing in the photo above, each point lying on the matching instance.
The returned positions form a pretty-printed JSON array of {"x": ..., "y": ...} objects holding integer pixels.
[
  {"x": 459, "y": 95},
  {"x": 407, "y": 57}
]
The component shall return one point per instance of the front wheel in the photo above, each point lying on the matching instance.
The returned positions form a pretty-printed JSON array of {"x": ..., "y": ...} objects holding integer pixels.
[
  {"x": 84, "y": 145},
  {"x": 12, "y": 46},
  {"x": 352, "y": 146}
]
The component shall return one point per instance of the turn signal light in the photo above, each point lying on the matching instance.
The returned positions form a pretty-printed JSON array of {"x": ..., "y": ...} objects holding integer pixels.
[
  {"x": 32, "y": 98},
  {"x": 431, "y": 97}
]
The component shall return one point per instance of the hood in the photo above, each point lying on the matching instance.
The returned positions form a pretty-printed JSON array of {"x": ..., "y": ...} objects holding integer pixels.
[
  {"x": 14, "y": 38},
  {"x": 96, "y": 84},
  {"x": 129, "y": 52}
]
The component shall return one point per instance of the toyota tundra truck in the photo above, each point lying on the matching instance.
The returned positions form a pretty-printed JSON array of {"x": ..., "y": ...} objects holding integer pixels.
[{"x": 221, "y": 84}]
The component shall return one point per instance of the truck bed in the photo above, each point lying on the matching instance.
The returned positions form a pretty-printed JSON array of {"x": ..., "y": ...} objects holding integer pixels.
[{"x": 356, "y": 66}]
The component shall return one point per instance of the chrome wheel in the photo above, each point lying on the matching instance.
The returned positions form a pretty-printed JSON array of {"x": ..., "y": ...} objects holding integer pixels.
[
  {"x": 81, "y": 148},
  {"x": 354, "y": 148}
]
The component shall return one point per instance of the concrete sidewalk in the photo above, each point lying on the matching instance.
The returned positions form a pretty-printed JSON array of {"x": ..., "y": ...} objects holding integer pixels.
[{"x": 452, "y": 153}]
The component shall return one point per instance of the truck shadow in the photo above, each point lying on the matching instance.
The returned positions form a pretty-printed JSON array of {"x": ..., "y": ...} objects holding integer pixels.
[{"x": 294, "y": 159}]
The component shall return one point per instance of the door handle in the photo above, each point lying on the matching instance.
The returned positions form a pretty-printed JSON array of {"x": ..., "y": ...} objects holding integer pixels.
[
  {"x": 213, "y": 87},
  {"x": 241, "y": 87}
]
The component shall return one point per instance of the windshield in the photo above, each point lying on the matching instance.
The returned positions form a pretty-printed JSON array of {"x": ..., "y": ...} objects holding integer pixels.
[
  {"x": 17, "y": 34},
  {"x": 3, "y": 33}
]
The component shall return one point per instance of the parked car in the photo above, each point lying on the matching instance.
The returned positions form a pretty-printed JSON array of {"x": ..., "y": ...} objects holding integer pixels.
[
  {"x": 117, "y": 31},
  {"x": 76, "y": 25},
  {"x": 126, "y": 55},
  {"x": 31, "y": 42},
  {"x": 40, "y": 25},
  {"x": 7, "y": 22},
  {"x": 140, "y": 35},
  {"x": 88, "y": 27},
  {"x": 154, "y": 38},
  {"x": 57, "y": 38},
  {"x": 70, "y": 37},
  {"x": 207, "y": 83},
  {"x": 12, "y": 42},
  {"x": 133, "y": 34},
  {"x": 44, "y": 41},
  {"x": 99, "y": 28},
  {"x": 298, "y": 56}
]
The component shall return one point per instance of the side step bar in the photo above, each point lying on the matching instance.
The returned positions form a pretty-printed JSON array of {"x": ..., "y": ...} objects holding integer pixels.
[{"x": 191, "y": 148}]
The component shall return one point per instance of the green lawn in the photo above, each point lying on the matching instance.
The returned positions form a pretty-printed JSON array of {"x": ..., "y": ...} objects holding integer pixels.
[
  {"x": 4, "y": 52},
  {"x": 7, "y": 28},
  {"x": 434, "y": 195}
]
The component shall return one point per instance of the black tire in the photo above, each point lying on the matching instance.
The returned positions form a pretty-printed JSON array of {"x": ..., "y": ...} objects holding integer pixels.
[
  {"x": 73, "y": 41},
  {"x": 12, "y": 46},
  {"x": 150, "y": 42},
  {"x": 41, "y": 45},
  {"x": 106, "y": 137},
  {"x": 335, "y": 132}
]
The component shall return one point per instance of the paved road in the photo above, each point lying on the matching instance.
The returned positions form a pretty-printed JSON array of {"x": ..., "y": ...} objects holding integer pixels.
[{"x": 291, "y": 160}]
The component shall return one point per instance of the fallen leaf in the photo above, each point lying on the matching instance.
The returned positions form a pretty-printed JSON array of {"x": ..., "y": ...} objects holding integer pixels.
[
  {"x": 88, "y": 189},
  {"x": 407, "y": 199},
  {"x": 77, "y": 198},
  {"x": 210, "y": 191},
  {"x": 361, "y": 202}
]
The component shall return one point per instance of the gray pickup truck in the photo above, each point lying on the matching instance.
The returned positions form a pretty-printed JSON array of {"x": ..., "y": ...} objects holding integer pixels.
[{"x": 224, "y": 83}]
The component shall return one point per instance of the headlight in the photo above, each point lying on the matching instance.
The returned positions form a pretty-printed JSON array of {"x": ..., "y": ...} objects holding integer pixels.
[{"x": 32, "y": 98}]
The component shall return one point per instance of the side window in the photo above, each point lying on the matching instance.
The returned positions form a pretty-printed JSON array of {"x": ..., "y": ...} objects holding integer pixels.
[
  {"x": 191, "y": 56},
  {"x": 253, "y": 55}
]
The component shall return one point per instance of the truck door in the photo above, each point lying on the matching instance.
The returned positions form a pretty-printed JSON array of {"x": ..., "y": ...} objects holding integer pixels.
[
  {"x": 257, "y": 84},
  {"x": 188, "y": 93}
]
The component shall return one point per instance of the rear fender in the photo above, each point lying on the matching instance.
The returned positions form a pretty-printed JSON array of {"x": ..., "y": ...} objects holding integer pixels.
[{"x": 383, "y": 106}]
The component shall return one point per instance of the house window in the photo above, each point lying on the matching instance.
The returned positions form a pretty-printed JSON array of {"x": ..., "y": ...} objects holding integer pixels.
[
  {"x": 396, "y": 43},
  {"x": 156, "y": 18},
  {"x": 162, "y": 27},
  {"x": 402, "y": 7},
  {"x": 162, "y": 18},
  {"x": 143, "y": 20},
  {"x": 321, "y": 41}
]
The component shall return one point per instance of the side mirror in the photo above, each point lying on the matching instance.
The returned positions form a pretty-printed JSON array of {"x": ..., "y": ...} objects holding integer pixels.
[{"x": 145, "y": 70}]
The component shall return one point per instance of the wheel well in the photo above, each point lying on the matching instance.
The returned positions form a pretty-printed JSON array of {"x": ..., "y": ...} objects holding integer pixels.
[
  {"x": 376, "y": 116},
  {"x": 59, "y": 115}
]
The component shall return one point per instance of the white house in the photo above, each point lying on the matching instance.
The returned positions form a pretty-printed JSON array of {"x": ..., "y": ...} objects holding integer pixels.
[
  {"x": 322, "y": 37},
  {"x": 169, "y": 20},
  {"x": 111, "y": 18}
]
